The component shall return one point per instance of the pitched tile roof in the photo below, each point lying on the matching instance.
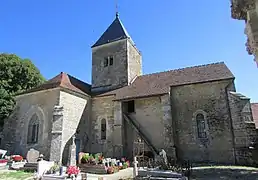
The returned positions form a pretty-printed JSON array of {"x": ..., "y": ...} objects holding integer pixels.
[
  {"x": 254, "y": 107},
  {"x": 65, "y": 81},
  {"x": 116, "y": 31},
  {"x": 159, "y": 83}
]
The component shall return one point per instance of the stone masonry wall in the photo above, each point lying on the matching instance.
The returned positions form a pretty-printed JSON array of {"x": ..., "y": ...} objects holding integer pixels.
[
  {"x": 84, "y": 129},
  {"x": 115, "y": 75},
  {"x": 244, "y": 128},
  {"x": 73, "y": 108},
  {"x": 168, "y": 132},
  {"x": 134, "y": 62},
  {"x": 15, "y": 131},
  {"x": 102, "y": 108},
  {"x": 210, "y": 99},
  {"x": 148, "y": 113}
]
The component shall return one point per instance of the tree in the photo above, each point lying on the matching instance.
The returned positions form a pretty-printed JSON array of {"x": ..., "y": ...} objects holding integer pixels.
[
  {"x": 7, "y": 104},
  {"x": 16, "y": 75}
]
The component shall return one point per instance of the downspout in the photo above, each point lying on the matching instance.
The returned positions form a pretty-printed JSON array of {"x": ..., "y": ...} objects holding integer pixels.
[{"x": 231, "y": 122}]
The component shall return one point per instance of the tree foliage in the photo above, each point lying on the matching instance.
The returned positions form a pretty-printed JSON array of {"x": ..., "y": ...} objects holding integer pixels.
[{"x": 16, "y": 75}]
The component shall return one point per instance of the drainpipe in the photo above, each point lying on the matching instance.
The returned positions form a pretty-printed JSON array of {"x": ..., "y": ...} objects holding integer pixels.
[{"x": 231, "y": 123}]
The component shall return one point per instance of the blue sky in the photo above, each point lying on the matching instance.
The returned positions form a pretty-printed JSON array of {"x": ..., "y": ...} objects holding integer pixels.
[{"x": 57, "y": 34}]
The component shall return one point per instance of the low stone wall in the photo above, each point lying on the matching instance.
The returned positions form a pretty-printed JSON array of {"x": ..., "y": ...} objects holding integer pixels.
[{"x": 95, "y": 169}]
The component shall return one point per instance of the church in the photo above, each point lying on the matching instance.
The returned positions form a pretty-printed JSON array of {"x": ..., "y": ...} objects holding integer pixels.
[{"x": 193, "y": 113}]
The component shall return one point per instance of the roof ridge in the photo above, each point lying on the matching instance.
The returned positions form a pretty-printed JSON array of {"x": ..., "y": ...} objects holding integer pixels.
[
  {"x": 179, "y": 69},
  {"x": 69, "y": 75}
]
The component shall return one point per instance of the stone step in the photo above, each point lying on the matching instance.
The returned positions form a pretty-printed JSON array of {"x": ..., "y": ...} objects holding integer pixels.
[
  {"x": 159, "y": 174},
  {"x": 31, "y": 165}
]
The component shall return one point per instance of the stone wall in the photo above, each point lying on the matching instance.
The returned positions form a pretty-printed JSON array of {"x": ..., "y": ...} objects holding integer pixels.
[
  {"x": 209, "y": 99},
  {"x": 102, "y": 108},
  {"x": 148, "y": 113},
  {"x": 243, "y": 127},
  {"x": 84, "y": 129},
  {"x": 16, "y": 127},
  {"x": 115, "y": 75},
  {"x": 74, "y": 106},
  {"x": 167, "y": 122},
  {"x": 127, "y": 64},
  {"x": 134, "y": 62}
]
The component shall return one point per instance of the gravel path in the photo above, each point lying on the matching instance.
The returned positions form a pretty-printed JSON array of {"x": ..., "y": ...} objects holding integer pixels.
[{"x": 224, "y": 173}]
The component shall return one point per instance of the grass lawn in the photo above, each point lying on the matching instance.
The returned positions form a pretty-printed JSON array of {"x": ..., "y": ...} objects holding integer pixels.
[{"x": 14, "y": 175}]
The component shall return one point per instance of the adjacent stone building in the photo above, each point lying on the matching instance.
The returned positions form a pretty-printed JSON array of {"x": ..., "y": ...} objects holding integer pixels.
[{"x": 192, "y": 113}]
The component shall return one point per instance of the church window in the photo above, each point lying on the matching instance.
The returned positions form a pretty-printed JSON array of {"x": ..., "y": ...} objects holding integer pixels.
[
  {"x": 201, "y": 126},
  {"x": 103, "y": 129},
  {"x": 111, "y": 60},
  {"x": 33, "y": 130},
  {"x": 106, "y": 62}
]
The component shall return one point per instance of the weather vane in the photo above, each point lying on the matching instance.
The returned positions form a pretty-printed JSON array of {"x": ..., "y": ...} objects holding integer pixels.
[{"x": 116, "y": 4}]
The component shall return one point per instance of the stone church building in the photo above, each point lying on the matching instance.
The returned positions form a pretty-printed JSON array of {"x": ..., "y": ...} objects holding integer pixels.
[{"x": 193, "y": 113}]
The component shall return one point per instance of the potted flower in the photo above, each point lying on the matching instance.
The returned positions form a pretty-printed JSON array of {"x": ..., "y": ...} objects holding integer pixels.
[
  {"x": 54, "y": 169},
  {"x": 116, "y": 169},
  {"x": 85, "y": 159},
  {"x": 73, "y": 171},
  {"x": 123, "y": 160},
  {"x": 110, "y": 170},
  {"x": 17, "y": 158},
  {"x": 126, "y": 164},
  {"x": 101, "y": 158},
  {"x": 91, "y": 159},
  {"x": 3, "y": 162}
]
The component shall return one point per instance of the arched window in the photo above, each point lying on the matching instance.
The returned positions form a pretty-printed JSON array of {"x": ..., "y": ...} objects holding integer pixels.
[
  {"x": 33, "y": 130},
  {"x": 103, "y": 129},
  {"x": 201, "y": 126}
]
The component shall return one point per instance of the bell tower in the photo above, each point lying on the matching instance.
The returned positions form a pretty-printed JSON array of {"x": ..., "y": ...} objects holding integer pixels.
[{"x": 116, "y": 61}]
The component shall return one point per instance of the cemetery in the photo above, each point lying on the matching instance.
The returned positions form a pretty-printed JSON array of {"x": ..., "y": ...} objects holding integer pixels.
[{"x": 88, "y": 166}]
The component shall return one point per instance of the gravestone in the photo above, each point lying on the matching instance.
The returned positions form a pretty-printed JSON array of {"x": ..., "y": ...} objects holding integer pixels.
[
  {"x": 135, "y": 167},
  {"x": 32, "y": 156},
  {"x": 163, "y": 155},
  {"x": 2, "y": 153}
]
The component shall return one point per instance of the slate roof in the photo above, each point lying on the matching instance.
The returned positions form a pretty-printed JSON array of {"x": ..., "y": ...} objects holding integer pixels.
[
  {"x": 159, "y": 83},
  {"x": 65, "y": 81},
  {"x": 116, "y": 31},
  {"x": 254, "y": 107}
]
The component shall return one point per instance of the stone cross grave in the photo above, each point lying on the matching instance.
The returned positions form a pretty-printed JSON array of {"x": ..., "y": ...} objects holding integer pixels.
[{"x": 32, "y": 156}]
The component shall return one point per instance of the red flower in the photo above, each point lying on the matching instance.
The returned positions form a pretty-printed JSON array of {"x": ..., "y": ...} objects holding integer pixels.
[
  {"x": 128, "y": 163},
  {"x": 17, "y": 158},
  {"x": 73, "y": 170},
  {"x": 3, "y": 161}
]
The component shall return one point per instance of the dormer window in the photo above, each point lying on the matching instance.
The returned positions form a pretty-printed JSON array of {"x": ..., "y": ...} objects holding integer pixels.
[{"x": 108, "y": 61}]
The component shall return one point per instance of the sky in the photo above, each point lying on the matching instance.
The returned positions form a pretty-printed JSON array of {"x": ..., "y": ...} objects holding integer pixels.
[{"x": 57, "y": 35}]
